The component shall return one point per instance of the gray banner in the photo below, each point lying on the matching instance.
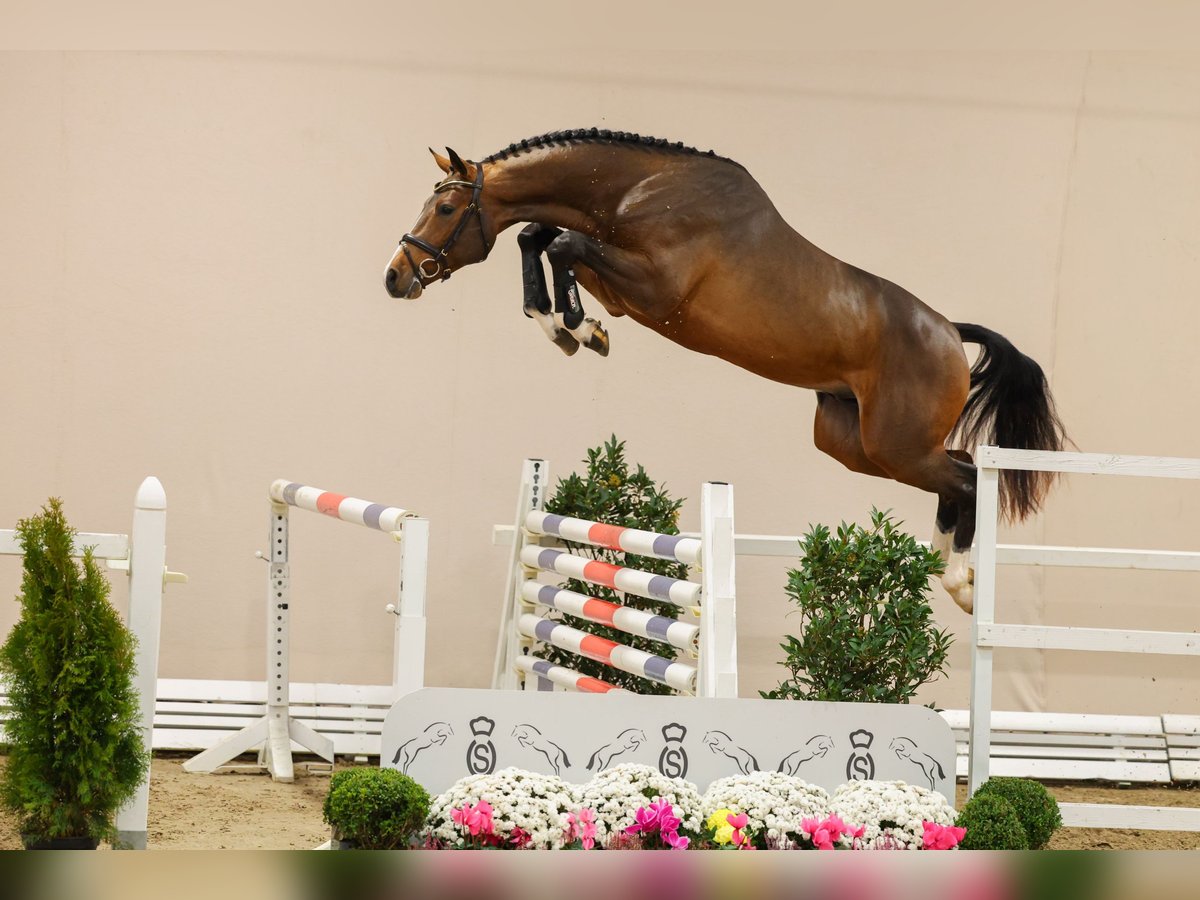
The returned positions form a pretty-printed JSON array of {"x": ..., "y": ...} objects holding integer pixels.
[{"x": 439, "y": 735}]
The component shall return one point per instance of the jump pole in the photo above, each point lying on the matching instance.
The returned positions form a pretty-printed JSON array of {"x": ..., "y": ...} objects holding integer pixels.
[{"x": 276, "y": 730}]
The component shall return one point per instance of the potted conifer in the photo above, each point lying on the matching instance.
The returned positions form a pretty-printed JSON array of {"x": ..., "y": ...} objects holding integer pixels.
[{"x": 75, "y": 753}]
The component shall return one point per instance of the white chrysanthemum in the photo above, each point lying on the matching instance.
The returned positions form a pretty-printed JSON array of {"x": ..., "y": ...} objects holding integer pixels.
[
  {"x": 615, "y": 794},
  {"x": 539, "y": 804},
  {"x": 873, "y": 803},
  {"x": 773, "y": 802}
]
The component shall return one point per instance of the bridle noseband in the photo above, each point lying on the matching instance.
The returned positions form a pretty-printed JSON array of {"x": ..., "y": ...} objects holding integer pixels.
[{"x": 437, "y": 258}]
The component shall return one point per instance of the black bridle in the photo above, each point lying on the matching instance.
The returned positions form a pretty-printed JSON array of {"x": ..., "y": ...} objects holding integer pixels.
[{"x": 440, "y": 270}]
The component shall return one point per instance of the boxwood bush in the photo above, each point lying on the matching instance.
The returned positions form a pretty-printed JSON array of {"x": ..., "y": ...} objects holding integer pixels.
[
  {"x": 991, "y": 824},
  {"x": 1034, "y": 806},
  {"x": 375, "y": 809}
]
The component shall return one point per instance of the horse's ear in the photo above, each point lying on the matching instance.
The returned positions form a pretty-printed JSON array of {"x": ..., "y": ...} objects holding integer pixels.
[
  {"x": 443, "y": 163},
  {"x": 457, "y": 163}
]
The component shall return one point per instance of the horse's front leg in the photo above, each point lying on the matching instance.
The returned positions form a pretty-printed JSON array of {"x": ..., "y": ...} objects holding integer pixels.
[
  {"x": 562, "y": 253},
  {"x": 533, "y": 240}
]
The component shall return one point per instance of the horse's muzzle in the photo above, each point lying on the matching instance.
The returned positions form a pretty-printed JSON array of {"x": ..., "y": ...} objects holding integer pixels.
[{"x": 398, "y": 289}]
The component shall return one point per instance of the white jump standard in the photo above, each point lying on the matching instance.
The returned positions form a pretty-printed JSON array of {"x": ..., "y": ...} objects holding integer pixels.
[{"x": 277, "y": 730}]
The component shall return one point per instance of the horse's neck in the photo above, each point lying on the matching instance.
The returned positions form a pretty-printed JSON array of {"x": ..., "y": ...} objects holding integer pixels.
[{"x": 573, "y": 190}]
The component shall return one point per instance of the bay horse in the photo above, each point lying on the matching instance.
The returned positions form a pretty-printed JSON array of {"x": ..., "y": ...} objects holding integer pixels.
[{"x": 687, "y": 243}]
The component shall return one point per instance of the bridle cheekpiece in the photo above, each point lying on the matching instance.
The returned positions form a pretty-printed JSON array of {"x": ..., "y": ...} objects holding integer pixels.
[{"x": 436, "y": 261}]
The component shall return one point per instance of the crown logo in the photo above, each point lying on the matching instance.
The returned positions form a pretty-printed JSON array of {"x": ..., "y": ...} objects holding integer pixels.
[
  {"x": 482, "y": 726},
  {"x": 861, "y": 739},
  {"x": 674, "y": 732}
]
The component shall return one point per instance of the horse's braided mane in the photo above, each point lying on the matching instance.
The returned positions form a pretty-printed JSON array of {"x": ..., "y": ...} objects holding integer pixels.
[{"x": 602, "y": 135}]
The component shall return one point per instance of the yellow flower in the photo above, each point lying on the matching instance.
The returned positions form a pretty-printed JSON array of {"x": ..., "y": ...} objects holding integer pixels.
[
  {"x": 719, "y": 822},
  {"x": 614, "y": 481}
]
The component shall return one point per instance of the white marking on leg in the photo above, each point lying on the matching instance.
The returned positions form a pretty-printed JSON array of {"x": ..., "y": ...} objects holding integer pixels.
[
  {"x": 546, "y": 321},
  {"x": 958, "y": 579},
  {"x": 941, "y": 541},
  {"x": 586, "y": 329}
]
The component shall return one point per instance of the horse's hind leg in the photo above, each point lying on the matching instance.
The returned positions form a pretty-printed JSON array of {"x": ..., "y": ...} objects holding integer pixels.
[
  {"x": 835, "y": 432},
  {"x": 533, "y": 241},
  {"x": 907, "y": 440},
  {"x": 959, "y": 577}
]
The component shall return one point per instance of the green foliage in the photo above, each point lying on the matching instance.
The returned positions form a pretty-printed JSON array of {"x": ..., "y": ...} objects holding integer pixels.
[
  {"x": 75, "y": 754},
  {"x": 991, "y": 824},
  {"x": 377, "y": 809},
  {"x": 610, "y": 492},
  {"x": 868, "y": 630},
  {"x": 1037, "y": 810}
]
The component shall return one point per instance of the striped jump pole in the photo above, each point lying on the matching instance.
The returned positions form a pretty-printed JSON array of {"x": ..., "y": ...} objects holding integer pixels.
[
  {"x": 679, "y": 675},
  {"x": 682, "y": 635},
  {"x": 628, "y": 581},
  {"x": 550, "y": 674},
  {"x": 700, "y": 653},
  {"x": 613, "y": 537},
  {"x": 278, "y": 730}
]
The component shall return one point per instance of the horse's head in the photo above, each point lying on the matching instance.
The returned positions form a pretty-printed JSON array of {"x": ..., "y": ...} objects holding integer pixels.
[{"x": 450, "y": 232}]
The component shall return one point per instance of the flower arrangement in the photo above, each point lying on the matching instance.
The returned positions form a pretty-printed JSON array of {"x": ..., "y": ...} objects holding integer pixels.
[
  {"x": 511, "y": 808},
  {"x": 634, "y": 807},
  {"x": 775, "y": 804},
  {"x": 894, "y": 814},
  {"x": 617, "y": 793}
]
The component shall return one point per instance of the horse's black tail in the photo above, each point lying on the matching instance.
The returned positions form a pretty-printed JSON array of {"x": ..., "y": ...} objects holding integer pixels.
[{"x": 1009, "y": 406}]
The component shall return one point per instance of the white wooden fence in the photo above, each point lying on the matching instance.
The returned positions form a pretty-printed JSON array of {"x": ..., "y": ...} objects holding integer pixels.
[{"x": 1138, "y": 739}]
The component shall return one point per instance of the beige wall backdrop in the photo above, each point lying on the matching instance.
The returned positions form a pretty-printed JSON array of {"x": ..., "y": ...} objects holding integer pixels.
[{"x": 192, "y": 247}]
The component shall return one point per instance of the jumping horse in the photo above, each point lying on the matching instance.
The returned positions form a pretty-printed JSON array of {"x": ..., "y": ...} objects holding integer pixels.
[{"x": 687, "y": 243}]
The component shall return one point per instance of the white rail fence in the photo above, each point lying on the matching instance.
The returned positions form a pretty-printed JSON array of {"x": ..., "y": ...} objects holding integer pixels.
[{"x": 1138, "y": 737}]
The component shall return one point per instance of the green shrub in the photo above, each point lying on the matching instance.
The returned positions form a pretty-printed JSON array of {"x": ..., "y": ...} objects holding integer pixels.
[
  {"x": 867, "y": 628},
  {"x": 377, "y": 809},
  {"x": 610, "y": 492},
  {"x": 991, "y": 824},
  {"x": 75, "y": 742},
  {"x": 1034, "y": 806}
]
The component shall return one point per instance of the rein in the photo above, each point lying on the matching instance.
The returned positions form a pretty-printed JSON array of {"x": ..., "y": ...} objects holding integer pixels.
[{"x": 440, "y": 270}]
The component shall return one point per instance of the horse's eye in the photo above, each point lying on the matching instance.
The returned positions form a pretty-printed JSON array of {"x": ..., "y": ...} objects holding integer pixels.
[{"x": 445, "y": 209}]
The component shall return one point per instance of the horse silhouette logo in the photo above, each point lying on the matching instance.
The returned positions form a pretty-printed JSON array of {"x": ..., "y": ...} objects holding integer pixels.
[
  {"x": 814, "y": 747},
  {"x": 625, "y": 742},
  {"x": 433, "y": 736},
  {"x": 906, "y": 748},
  {"x": 530, "y": 737},
  {"x": 722, "y": 744}
]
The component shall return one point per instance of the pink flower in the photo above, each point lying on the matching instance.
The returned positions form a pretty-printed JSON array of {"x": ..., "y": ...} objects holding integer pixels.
[
  {"x": 941, "y": 837},
  {"x": 587, "y": 818},
  {"x": 476, "y": 819},
  {"x": 520, "y": 837},
  {"x": 824, "y": 834},
  {"x": 674, "y": 841},
  {"x": 645, "y": 820},
  {"x": 738, "y": 822}
]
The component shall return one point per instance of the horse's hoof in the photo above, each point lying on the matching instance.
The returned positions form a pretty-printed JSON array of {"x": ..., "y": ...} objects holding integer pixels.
[
  {"x": 565, "y": 342},
  {"x": 598, "y": 341}
]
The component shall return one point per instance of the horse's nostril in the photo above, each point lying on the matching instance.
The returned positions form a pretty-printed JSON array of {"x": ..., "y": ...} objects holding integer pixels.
[{"x": 390, "y": 278}]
